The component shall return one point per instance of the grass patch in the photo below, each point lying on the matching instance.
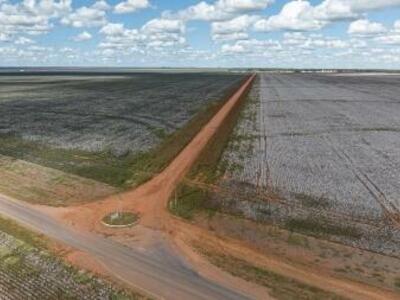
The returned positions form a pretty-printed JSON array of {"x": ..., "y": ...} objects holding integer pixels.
[
  {"x": 102, "y": 166},
  {"x": 298, "y": 240},
  {"x": 33, "y": 239},
  {"x": 311, "y": 201},
  {"x": 397, "y": 282},
  {"x": 321, "y": 227},
  {"x": 340, "y": 270},
  {"x": 82, "y": 277},
  {"x": 191, "y": 200},
  {"x": 40, "y": 185},
  {"x": 281, "y": 287},
  {"x": 206, "y": 169},
  {"x": 120, "y": 218}
]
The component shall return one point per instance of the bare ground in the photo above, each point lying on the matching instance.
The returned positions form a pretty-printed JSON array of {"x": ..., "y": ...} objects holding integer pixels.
[{"x": 40, "y": 185}]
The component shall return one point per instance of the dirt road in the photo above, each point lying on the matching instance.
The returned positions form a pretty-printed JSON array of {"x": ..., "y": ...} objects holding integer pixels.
[
  {"x": 143, "y": 256},
  {"x": 156, "y": 270},
  {"x": 150, "y": 272}
]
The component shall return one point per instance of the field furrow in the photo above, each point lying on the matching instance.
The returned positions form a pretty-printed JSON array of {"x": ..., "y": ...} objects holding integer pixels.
[{"x": 326, "y": 147}]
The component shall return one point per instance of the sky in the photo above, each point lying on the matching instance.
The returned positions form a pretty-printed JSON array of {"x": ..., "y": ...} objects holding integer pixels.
[{"x": 211, "y": 33}]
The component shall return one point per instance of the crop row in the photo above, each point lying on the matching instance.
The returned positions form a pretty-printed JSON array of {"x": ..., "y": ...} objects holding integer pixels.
[
  {"x": 327, "y": 149},
  {"x": 28, "y": 273},
  {"x": 119, "y": 114}
]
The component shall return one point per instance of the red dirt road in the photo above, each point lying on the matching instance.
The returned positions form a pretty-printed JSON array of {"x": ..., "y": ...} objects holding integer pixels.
[{"x": 150, "y": 201}]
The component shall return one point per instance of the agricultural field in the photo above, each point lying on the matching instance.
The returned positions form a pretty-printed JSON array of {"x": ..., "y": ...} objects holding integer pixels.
[
  {"x": 29, "y": 271},
  {"x": 318, "y": 154},
  {"x": 107, "y": 128},
  {"x": 41, "y": 185}
]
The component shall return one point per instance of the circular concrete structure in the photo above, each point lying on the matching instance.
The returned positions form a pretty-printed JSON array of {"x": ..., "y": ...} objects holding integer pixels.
[{"x": 120, "y": 219}]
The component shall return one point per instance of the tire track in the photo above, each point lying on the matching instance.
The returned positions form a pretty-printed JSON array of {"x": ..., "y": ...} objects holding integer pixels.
[{"x": 373, "y": 189}]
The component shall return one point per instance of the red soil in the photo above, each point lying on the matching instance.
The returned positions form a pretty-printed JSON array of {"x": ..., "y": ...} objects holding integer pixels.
[{"x": 150, "y": 201}]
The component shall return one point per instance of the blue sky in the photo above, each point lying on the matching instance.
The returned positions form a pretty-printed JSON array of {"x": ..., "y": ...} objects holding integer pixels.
[{"x": 190, "y": 33}]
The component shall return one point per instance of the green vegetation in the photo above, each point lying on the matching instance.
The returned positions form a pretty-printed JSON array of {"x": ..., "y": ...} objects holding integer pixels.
[
  {"x": 321, "y": 227},
  {"x": 281, "y": 287},
  {"x": 298, "y": 240},
  {"x": 191, "y": 200},
  {"x": 312, "y": 201},
  {"x": 397, "y": 282},
  {"x": 12, "y": 228},
  {"x": 101, "y": 166},
  {"x": 207, "y": 169},
  {"x": 82, "y": 277},
  {"x": 120, "y": 218},
  {"x": 40, "y": 185}
]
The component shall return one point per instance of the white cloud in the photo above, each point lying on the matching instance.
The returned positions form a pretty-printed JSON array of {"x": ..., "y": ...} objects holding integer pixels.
[
  {"x": 23, "y": 41},
  {"x": 391, "y": 37},
  {"x": 157, "y": 33},
  {"x": 201, "y": 11},
  {"x": 163, "y": 32},
  {"x": 220, "y": 10},
  {"x": 300, "y": 15},
  {"x": 233, "y": 29},
  {"x": 49, "y": 8},
  {"x": 358, "y": 43},
  {"x": 119, "y": 37},
  {"x": 396, "y": 26},
  {"x": 30, "y": 54},
  {"x": 235, "y": 48},
  {"x": 83, "y": 36},
  {"x": 365, "y": 5},
  {"x": 365, "y": 27},
  {"x": 301, "y": 40},
  {"x": 130, "y": 6},
  {"x": 164, "y": 26},
  {"x": 113, "y": 29},
  {"x": 330, "y": 10},
  {"x": 101, "y": 5},
  {"x": 31, "y": 17},
  {"x": 295, "y": 15},
  {"x": 162, "y": 40},
  {"x": 324, "y": 43},
  {"x": 348, "y": 9},
  {"x": 93, "y": 16},
  {"x": 241, "y": 6},
  {"x": 294, "y": 38},
  {"x": 230, "y": 36},
  {"x": 4, "y": 37},
  {"x": 252, "y": 46}
]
